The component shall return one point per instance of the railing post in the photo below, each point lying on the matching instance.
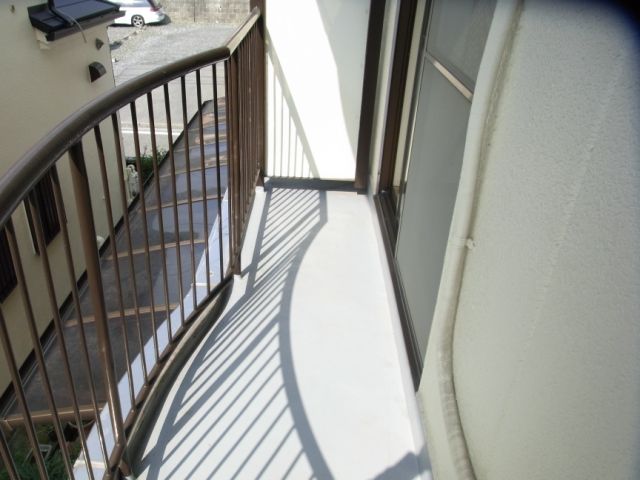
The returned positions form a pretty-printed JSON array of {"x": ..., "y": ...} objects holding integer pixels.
[
  {"x": 94, "y": 280},
  {"x": 233, "y": 134},
  {"x": 260, "y": 82}
]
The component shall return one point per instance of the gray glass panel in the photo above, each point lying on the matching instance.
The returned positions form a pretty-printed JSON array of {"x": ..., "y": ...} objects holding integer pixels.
[
  {"x": 433, "y": 176},
  {"x": 457, "y": 33}
]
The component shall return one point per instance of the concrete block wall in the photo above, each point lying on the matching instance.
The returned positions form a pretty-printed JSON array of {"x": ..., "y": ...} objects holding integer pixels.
[{"x": 217, "y": 11}]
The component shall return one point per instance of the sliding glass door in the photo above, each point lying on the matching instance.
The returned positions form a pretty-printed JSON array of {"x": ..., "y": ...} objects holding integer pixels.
[{"x": 424, "y": 184}]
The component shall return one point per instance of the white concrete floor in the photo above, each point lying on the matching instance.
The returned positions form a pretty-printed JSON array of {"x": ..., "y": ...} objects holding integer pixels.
[{"x": 300, "y": 377}]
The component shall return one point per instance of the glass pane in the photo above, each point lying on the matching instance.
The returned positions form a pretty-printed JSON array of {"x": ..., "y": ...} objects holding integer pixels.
[
  {"x": 457, "y": 34},
  {"x": 433, "y": 176}
]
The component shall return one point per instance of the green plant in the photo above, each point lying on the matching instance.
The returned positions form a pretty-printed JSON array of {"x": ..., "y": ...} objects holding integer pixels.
[
  {"x": 54, "y": 465},
  {"x": 24, "y": 463},
  {"x": 146, "y": 162}
]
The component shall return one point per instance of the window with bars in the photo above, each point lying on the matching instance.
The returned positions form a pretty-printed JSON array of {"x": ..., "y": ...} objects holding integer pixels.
[
  {"x": 47, "y": 209},
  {"x": 7, "y": 273}
]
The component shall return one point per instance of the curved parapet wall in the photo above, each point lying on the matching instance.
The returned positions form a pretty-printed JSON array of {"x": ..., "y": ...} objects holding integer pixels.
[{"x": 543, "y": 331}]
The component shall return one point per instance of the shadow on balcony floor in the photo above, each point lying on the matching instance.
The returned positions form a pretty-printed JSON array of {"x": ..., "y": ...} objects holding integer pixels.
[{"x": 300, "y": 377}]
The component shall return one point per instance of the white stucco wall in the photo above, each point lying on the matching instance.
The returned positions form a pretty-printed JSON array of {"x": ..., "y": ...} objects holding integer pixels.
[
  {"x": 546, "y": 345},
  {"x": 39, "y": 88},
  {"x": 315, "y": 68}
]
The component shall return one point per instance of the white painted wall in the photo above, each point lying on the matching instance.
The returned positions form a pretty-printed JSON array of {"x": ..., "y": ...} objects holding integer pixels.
[
  {"x": 546, "y": 340},
  {"x": 38, "y": 89},
  {"x": 315, "y": 68}
]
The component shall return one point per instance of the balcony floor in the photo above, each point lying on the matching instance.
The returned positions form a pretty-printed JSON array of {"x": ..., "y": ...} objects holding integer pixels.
[{"x": 300, "y": 377}]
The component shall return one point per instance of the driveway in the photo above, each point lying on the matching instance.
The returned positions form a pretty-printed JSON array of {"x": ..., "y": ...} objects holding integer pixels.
[{"x": 138, "y": 51}]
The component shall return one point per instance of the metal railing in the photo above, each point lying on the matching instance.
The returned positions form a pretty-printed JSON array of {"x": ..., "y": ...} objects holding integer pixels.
[{"x": 154, "y": 251}]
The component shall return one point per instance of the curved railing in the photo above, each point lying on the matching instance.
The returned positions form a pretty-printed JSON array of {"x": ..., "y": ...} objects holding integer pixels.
[{"x": 110, "y": 286}]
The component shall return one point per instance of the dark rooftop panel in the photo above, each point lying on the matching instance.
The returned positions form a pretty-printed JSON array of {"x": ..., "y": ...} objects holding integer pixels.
[{"x": 87, "y": 13}]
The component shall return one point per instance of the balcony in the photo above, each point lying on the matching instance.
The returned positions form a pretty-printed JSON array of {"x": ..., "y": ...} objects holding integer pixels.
[
  {"x": 300, "y": 377},
  {"x": 226, "y": 325}
]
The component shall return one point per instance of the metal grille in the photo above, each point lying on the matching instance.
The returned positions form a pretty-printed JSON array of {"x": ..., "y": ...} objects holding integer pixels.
[{"x": 7, "y": 273}]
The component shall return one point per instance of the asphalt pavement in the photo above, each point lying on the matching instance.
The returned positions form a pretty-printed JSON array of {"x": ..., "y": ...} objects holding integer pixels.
[{"x": 138, "y": 51}]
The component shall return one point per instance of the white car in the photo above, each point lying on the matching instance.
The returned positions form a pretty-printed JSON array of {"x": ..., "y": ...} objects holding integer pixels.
[{"x": 139, "y": 12}]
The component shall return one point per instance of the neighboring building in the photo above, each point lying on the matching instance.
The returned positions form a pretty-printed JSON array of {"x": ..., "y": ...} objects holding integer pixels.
[{"x": 42, "y": 83}]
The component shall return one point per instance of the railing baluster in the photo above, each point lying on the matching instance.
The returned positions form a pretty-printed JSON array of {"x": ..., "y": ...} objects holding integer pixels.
[
  {"x": 94, "y": 279},
  {"x": 231, "y": 157},
  {"x": 216, "y": 119},
  {"x": 176, "y": 220},
  {"x": 260, "y": 67},
  {"x": 254, "y": 97},
  {"x": 249, "y": 130},
  {"x": 204, "y": 181},
  {"x": 116, "y": 265},
  {"x": 252, "y": 106},
  {"x": 185, "y": 124},
  {"x": 250, "y": 133},
  {"x": 19, "y": 392},
  {"x": 242, "y": 133},
  {"x": 37, "y": 348},
  {"x": 238, "y": 98},
  {"x": 127, "y": 230},
  {"x": 229, "y": 137},
  {"x": 156, "y": 180},
  {"x": 59, "y": 201},
  {"x": 5, "y": 454},
  {"x": 250, "y": 143},
  {"x": 57, "y": 321},
  {"x": 244, "y": 124},
  {"x": 249, "y": 121},
  {"x": 233, "y": 160},
  {"x": 145, "y": 229},
  {"x": 261, "y": 100}
]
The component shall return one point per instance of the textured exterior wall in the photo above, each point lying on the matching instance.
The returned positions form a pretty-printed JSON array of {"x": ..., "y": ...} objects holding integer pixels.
[
  {"x": 217, "y": 11},
  {"x": 547, "y": 337}
]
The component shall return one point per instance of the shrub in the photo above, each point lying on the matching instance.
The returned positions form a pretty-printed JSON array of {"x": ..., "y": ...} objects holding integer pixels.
[{"x": 146, "y": 162}]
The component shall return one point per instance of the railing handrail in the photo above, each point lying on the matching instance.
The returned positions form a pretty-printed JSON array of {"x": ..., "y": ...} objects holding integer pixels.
[
  {"x": 240, "y": 110},
  {"x": 241, "y": 32},
  {"x": 27, "y": 171}
]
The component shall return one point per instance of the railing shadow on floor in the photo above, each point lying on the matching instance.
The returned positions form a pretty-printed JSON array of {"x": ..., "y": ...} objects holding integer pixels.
[{"x": 239, "y": 392}]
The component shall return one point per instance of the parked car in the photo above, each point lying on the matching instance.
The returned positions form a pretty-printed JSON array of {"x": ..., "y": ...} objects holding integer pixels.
[{"x": 139, "y": 12}]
